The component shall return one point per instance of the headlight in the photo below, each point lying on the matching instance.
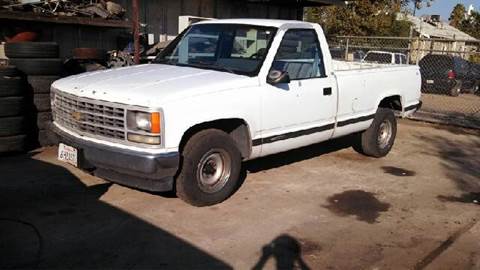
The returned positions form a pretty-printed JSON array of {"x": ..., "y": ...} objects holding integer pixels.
[
  {"x": 144, "y": 121},
  {"x": 144, "y": 127}
]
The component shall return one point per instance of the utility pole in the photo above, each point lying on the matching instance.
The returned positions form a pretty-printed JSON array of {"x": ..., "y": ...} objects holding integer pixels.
[
  {"x": 416, "y": 4},
  {"x": 136, "y": 32}
]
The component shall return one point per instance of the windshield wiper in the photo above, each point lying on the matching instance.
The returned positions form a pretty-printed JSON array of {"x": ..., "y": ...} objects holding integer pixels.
[
  {"x": 205, "y": 65},
  {"x": 224, "y": 68}
]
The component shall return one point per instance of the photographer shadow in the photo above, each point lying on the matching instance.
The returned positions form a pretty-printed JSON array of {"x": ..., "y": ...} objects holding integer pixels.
[{"x": 286, "y": 251}]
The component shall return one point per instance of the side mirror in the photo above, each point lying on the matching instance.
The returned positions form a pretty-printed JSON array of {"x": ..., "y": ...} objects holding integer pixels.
[{"x": 277, "y": 76}]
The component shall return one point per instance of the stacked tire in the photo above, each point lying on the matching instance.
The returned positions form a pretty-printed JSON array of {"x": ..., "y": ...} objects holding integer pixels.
[
  {"x": 40, "y": 63},
  {"x": 13, "y": 137}
]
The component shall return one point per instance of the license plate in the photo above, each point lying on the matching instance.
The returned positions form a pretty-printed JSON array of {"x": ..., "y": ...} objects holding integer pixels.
[
  {"x": 67, "y": 154},
  {"x": 430, "y": 81}
]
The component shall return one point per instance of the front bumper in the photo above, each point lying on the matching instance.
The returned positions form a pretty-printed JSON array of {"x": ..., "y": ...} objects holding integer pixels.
[{"x": 152, "y": 172}]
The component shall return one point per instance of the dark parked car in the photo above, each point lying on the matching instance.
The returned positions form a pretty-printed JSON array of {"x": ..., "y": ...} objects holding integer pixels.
[{"x": 451, "y": 75}]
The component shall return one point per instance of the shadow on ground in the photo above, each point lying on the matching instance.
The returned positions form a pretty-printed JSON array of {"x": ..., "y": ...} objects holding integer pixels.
[
  {"x": 50, "y": 219},
  {"x": 460, "y": 159},
  {"x": 286, "y": 251}
]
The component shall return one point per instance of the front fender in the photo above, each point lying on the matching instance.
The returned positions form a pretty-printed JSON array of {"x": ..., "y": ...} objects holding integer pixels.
[{"x": 181, "y": 115}]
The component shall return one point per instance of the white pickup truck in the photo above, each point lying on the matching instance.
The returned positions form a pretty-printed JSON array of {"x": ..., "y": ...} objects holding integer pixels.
[{"x": 225, "y": 91}]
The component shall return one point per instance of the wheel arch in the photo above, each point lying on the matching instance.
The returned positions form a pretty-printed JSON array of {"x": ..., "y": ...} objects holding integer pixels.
[
  {"x": 393, "y": 102},
  {"x": 237, "y": 128}
]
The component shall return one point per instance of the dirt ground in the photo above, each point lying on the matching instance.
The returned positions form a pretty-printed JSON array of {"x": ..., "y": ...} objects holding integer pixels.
[
  {"x": 321, "y": 207},
  {"x": 465, "y": 104}
]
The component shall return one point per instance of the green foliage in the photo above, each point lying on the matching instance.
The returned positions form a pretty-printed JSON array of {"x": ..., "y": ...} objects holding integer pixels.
[
  {"x": 363, "y": 18},
  {"x": 457, "y": 15},
  {"x": 474, "y": 58},
  {"x": 469, "y": 25}
]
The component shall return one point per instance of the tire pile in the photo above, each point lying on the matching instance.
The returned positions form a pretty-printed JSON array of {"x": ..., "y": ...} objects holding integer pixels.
[
  {"x": 37, "y": 67},
  {"x": 13, "y": 121}
]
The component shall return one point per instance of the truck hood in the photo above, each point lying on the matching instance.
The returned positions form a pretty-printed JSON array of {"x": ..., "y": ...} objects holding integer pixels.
[{"x": 150, "y": 85}]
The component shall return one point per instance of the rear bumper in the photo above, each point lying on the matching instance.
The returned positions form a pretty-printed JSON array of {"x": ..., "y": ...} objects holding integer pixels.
[{"x": 153, "y": 172}]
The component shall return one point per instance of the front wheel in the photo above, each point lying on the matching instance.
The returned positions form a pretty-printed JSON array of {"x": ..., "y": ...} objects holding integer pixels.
[
  {"x": 378, "y": 139},
  {"x": 210, "y": 168}
]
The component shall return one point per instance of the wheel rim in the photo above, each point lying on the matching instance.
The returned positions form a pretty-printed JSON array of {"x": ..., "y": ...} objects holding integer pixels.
[
  {"x": 384, "y": 133},
  {"x": 214, "y": 170}
]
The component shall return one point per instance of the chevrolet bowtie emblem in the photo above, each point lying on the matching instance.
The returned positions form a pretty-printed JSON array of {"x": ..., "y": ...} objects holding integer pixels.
[{"x": 77, "y": 116}]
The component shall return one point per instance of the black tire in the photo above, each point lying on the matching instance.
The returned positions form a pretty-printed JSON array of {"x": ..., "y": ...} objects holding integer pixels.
[
  {"x": 42, "y": 102},
  {"x": 11, "y": 86},
  {"x": 44, "y": 119},
  {"x": 9, "y": 71},
  {"x": 41, "y": 84},
  {"x": 11, "y": 106},
  {"x": 31, "y": 50},
  {"x": 456, "y": 89},
  {"x": 38, "y": 66},
  {"x": 12, "y": 143},
  {"x": 475, "y": 88},
  {"x": 369, "y": 143},
  {"x": 10, "y": 126},
  {"x": 205, "y": 143}
]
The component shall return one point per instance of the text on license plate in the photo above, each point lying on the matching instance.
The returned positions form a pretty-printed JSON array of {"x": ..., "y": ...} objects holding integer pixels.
[{"x": 67, "y": 154}]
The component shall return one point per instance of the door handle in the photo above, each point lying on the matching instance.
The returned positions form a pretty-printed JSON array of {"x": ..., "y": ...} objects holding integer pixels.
[{"x": 327, "y": 91}]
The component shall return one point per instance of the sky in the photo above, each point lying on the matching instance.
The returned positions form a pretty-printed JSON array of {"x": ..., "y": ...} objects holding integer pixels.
[{"x": 444, "y": 7}]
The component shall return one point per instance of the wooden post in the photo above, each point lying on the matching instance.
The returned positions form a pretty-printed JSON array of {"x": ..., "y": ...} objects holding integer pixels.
[{"x": 136, "y": 32}]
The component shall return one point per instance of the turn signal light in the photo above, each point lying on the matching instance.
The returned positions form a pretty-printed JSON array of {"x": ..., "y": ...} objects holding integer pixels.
[{"x": 155, "y": 122}]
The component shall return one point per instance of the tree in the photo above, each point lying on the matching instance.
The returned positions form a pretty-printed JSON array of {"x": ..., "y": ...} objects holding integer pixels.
[
  {"x": 458, "y": 15},
  {"x": 471, "y": 25},
  {"x": 363, "y": 18}
]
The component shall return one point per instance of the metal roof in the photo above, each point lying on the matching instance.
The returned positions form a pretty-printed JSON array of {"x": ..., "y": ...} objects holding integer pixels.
[{"x": 437, "y": 29}]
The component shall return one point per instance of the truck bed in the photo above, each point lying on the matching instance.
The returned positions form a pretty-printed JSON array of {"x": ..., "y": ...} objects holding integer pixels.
[
  {"x": 361, "y": 86},
  {"x": 350, "y": 65}
]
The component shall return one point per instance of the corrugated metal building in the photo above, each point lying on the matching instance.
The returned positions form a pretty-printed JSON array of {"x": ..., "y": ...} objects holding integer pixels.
[{"x": 159, "y": 17}]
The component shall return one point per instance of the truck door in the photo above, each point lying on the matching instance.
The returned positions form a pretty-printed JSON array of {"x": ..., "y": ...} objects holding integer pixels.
[{"x": 302, "y": 111}]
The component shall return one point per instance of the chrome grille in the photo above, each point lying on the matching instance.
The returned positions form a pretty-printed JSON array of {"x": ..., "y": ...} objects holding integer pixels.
[{"x": 89, "y": 117}]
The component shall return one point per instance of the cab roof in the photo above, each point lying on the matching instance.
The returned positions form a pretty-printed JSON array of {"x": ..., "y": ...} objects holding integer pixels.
[{"x": 261, "y": 22}]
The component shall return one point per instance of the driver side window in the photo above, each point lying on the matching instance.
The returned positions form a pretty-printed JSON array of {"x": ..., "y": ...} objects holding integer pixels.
[{"x": 299, "y": 55}]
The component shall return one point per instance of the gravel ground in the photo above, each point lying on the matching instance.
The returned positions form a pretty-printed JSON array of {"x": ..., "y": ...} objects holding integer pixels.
[{"x": 320, "y": 207}]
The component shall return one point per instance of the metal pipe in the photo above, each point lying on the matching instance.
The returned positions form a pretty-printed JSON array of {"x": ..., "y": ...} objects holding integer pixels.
[{"x": 136, "y": 32}]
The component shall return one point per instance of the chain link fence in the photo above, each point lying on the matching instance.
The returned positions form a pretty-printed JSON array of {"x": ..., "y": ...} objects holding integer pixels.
[{"x": 450, "y": 71}]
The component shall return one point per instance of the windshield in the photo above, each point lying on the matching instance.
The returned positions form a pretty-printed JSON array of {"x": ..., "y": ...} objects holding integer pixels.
[{"x": 234, "y": 48}]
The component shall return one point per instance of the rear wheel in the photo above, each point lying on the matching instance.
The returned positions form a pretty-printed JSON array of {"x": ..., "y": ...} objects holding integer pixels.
[
  {"x": 456, "y": 89},
  {"x": 475, "y": 88},
  {"x": 210, "y": 168},
  {"x": 378, "y": 139}
]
